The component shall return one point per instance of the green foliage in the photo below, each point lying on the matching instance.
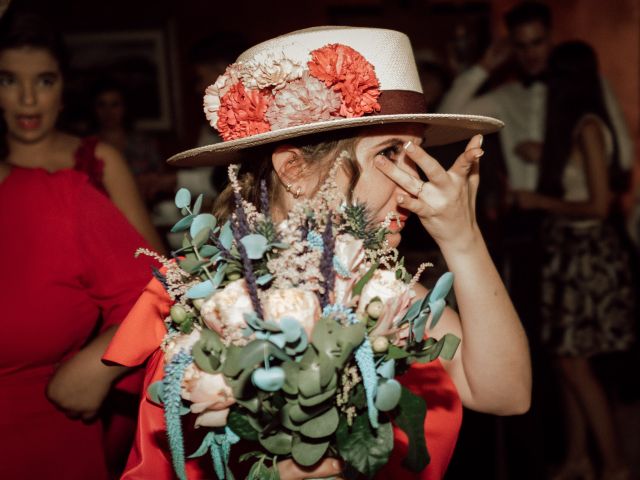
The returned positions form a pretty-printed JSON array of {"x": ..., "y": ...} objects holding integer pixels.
[
  {"x": 409, "y": 417},
  {"x": 359, "y": 225},
  {"x": 363, "y": 448}
]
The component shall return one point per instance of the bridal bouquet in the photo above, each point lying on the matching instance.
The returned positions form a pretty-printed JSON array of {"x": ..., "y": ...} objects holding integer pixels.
[{"x": 290, "y": 336}]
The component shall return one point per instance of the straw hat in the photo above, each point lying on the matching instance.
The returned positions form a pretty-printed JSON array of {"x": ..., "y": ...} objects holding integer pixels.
[{"x": 317, "y": 80}]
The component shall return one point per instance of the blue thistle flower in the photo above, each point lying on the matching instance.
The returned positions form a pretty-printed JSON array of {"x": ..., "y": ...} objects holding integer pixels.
[
  {"x": 341, "y": 311},
  {"x": 367, "y": 367},
  {"x": 340, "y": 268},
  {"x": 315, "y": 240},
  {"x": 171, "y": 386}
]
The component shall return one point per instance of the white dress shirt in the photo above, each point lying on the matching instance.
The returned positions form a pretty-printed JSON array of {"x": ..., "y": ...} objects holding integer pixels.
[{"x": 523, "y": 111}]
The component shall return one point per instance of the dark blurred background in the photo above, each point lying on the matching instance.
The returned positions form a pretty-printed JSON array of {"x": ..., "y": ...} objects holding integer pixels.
[{"x": 148, "y": 47}]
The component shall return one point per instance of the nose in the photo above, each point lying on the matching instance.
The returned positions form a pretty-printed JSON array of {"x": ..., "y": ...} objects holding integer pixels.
[{"x": 28, "y": 95}]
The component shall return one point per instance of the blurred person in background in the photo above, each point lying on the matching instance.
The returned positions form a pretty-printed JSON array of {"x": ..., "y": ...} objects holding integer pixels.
[
  {"x": 587, "y": 291},
  {"x": 32, "y": 66},
  {"x": 113, "y": 124},
  {"x": 521, "y": 103}
]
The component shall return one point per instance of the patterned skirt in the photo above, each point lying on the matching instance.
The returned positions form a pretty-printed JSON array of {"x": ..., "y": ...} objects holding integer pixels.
[{"x": 587, "y": 290}]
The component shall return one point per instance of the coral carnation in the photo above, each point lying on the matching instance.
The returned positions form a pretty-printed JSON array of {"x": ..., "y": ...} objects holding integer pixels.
[
  {"x": 302, "y": 101},
  {"x": 242, "y": 112},
  {"x": 213, "y": 93},
  {"x": 346, "y": 71}
]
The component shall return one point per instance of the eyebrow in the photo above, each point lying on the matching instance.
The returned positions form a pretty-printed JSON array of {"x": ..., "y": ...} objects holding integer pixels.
[{"x": 389, "y": 142}]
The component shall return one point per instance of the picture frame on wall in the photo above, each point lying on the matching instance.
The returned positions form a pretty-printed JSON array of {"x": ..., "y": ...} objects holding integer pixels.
[{"x": 136, "y": 60}]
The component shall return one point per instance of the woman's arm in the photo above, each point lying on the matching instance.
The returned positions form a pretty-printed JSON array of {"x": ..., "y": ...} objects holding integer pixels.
[
  {"x": 492, "y": 369},
  {"x": 592, "y": 147},
  {"x": 80, "y": 385},
  {"x": 124, "y": 193}
]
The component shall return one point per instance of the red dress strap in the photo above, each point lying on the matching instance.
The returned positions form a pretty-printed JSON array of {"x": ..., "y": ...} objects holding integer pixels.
[{"x": 86, "y": 161}]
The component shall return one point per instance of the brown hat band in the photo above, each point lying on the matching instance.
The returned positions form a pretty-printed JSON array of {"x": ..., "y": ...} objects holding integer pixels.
[{"x": 393, "y": 102}]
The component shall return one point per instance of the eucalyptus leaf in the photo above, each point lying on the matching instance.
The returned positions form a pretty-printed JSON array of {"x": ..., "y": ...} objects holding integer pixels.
[
  {"x": 322, "y": 425},
  {"x": 410, "y": 415},
  {"x": 278, "y": 444},
  {"x": 226, "y": 235},
  {"x": 201, "y": 238},
  {"x": 388, "y": 395},
  {"x": 208, "y": 251},
  {"x": 437, "y": 308},
  {"x": 183, "y": 198},
  {"x": 154, "y": 392},
  {"x": 201, "y": 290},
  {"x": 191, "y": 265},
  {"x": 442, "y": 287},
  {"x": 182, "y": 224},
  {"x": 201, "y": 221},
  {"x": 264, "y": 279},
  {"x": 307, "y": 452},
  {"x": 198, "y": 205},
  {"x": 255, "y": 245}
]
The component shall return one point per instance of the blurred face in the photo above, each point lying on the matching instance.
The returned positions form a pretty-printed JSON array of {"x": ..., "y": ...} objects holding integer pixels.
[
  {"x": 531, "y": 44},
  {"x": 110, "y": 109},
  {"x": 30, "y": 92},
  {"x": 376, "y": 189}
]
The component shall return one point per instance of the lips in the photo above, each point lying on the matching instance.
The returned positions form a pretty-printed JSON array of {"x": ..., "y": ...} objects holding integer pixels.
[{"x": 29, "y": 122}]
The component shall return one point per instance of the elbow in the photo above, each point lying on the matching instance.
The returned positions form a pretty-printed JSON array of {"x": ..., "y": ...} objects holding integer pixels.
[{"x": 518, "y": 406}]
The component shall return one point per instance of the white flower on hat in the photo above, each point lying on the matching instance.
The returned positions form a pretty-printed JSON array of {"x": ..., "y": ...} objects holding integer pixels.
[
  {"x": 214, "y": 92},
  {"x": 269, "y": 69}
]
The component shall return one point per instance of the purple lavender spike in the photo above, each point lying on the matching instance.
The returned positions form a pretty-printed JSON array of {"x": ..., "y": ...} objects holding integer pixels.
[
  {"x": 326, "y": 263},
  {"x": 249, "y": 276}
]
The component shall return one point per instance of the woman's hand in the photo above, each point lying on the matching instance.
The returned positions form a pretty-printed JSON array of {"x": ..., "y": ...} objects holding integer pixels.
[
  {"x": 329, "y": 467},
  {"x": 446, "y": 203}
]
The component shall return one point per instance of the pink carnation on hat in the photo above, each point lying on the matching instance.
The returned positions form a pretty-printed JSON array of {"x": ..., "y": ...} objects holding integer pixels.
[
  {"x": 302, "y": 101},
  {"x": 242, "y": 112},
  {"x": 269, "y": 70},
  {"x": 346, "y": 71}
]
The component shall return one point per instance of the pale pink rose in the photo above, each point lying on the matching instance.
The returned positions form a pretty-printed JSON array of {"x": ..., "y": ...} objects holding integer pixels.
[
  {"x": 393, "y": 311},
  {"x": 214, "y": 92},
  {"x": 224, "y": 311},
  {"x": 302, "y": 101},
  {"x": 269, "y": 70},
  {"x": 180, "y": 342},
  {"x": 383, "y": 285},
  {"x": 302, "y": 305},
  {"x": 212, "y": 418},
  {"x": 209, "y": 395},
  {"x": 349, "y": 252}
]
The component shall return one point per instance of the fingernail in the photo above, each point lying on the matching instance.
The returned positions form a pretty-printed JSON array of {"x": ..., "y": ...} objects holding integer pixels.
[
  {"x": 409, "y": 146},
  {"x": 481, "y": 140},
  {"x": 335, "y": 465},
  {"x": 400, "y": 198}
]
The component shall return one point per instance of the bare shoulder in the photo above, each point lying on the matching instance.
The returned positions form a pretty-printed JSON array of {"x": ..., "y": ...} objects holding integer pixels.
[{"x": 108, "y": 153}]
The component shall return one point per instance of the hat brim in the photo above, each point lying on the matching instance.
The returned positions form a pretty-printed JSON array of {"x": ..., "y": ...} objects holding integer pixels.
[{"x": 440, "y": 129}]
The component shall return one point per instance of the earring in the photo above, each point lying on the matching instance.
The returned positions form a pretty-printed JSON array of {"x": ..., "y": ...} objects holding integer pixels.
[
  {"x": 297, "y": 194},
  {"x": 288, "y": 187}
]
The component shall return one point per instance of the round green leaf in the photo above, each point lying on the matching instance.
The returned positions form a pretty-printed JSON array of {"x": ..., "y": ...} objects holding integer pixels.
[
  {"x": 278, "y": 444},
  {"x": 307, "y": 452},
  {"x": 255, "y": 245},
  {"x": 388, "y": 395},
  {"x": 322, "y": 425},
  {"x": 183, "y": 198},
  {"x": 202, "y": 221}
]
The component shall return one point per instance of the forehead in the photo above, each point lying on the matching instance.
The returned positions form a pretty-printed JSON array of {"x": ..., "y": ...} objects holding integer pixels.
[
  {"x": 28, "y": 60},
  {"x": 375, "y": 135}
]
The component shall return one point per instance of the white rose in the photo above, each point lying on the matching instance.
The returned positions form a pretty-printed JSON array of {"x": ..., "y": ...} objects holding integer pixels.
[
  {"x": 224, "y": 311},
  {"x": 383, "y": 285},
  {"x": 349, "y": 253},
  {"x": 181, "y": 342},
  {"x": 302, "y": 305},
  {"x": 206, "y": 391}
]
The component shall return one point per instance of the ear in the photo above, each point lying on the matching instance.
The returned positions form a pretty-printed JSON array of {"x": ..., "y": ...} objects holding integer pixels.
[{"x": 290, "y": 166}]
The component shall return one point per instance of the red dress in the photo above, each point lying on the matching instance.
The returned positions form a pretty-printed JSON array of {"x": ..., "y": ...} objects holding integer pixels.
[
  {"x": 138, "y": 340},
  {"x": 68, "y": 258}
]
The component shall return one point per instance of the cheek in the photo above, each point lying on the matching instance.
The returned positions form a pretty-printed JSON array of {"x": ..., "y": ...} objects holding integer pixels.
[{"x": 375, "y": 189}]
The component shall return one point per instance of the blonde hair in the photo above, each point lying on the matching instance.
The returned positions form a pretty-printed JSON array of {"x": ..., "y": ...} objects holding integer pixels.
[{"x": 318, "y": 151}]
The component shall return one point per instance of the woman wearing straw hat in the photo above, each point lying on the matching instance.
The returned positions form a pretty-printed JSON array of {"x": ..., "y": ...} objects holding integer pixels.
[{"x": 285, "y": 110}]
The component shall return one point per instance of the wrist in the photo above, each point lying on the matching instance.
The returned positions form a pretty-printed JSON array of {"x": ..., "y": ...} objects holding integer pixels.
[{"x": 463, "y": 244}]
